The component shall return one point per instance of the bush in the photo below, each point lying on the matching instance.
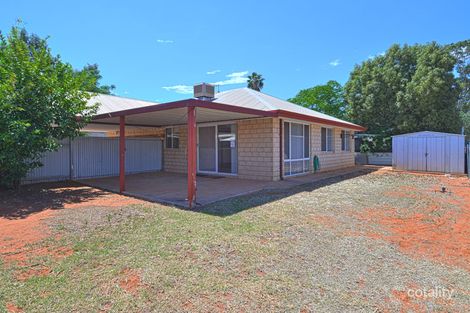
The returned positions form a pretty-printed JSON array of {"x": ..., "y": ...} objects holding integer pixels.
[
  {"x": 376, "y": 144},
  {"x": 40, "y": 99}
]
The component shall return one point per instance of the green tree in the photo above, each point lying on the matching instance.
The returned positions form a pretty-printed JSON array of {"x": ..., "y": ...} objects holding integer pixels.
[
  {"x": 461, "y": 51},
  {"x": 40, "y": 99},
  {"x": 92, "y": 81},
  {"x": 328, "y": 99},
  {"x": 429, "y": 100},
  {"x": 410, "y": 88},
  {"x": 255, "y": 81}
]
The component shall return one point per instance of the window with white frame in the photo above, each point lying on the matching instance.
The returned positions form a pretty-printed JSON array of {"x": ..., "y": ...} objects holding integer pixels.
[
  {"x": 345, "y": 140},
  {"x": 296, "y": 148},
  {"x": 172, "y": 138},
  {"x": 326, "y": 139}
]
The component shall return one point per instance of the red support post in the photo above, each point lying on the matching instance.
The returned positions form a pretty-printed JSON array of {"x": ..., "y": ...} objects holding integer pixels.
[
  {"x": 281, "y": 150},
  {"x": 191, "y": 155},
  {"x": 122, "y": 153}
]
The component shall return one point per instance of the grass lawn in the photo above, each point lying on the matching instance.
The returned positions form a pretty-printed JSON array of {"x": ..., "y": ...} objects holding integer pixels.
[{"x": 376, "y": 242}]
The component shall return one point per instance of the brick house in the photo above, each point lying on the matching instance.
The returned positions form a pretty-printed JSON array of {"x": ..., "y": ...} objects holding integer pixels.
[{"x": 239, "y": 133}]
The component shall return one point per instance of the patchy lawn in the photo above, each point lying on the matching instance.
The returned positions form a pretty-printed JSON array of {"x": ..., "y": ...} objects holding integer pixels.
[{"x": 377, "y": 242}]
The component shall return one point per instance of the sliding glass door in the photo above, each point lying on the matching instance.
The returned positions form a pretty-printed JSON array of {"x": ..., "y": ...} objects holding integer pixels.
[
  {"x": 296, "y": 148},
  {"x": 207, "y": 149},
  {"x": 227, "y": 148},
  {"x": 217, "y": 149}
]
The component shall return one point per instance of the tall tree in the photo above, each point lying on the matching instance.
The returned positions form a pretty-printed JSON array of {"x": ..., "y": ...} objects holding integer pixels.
[
  {"x": 328, "y": 99},
  {"x": 255, "y": 81},
  {"x": 90, "y": 74},
  {"x": 40, "y": 99},
  {"x": 92, "y": 81},
  {"x": 461, "y": 51},
  {"x": 429, "y": 100},
  {"x": 410, "y": 88}
]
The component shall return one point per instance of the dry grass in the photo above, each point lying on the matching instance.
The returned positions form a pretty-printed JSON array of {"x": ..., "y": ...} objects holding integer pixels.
[{"x": 355, "y": 244}]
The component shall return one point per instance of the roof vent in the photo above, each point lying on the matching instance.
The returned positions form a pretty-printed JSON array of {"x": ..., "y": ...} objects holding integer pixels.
[{"x": 204, "y": 91}]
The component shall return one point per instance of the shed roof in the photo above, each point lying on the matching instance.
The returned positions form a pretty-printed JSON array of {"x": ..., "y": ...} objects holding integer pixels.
[{"x": 427, "y": 133}]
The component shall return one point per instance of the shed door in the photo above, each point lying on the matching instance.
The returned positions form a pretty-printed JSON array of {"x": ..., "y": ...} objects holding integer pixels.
[
  {"x": 426, "y": 154},
  {"x": 436, "y": 154},
  {"x": 416, "y": 158}
]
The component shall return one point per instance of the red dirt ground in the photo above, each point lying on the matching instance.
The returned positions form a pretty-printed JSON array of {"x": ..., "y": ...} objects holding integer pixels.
[
  {"x": 131, "y": 281},
  {"x": 25, "y": 275},
  {"x": 408, "y": 304},
  {"x": 11, "y": 308},
  {"x": 16, "y": 234},
  {"x": 23, "y": 215},
  {"x": 433, "y": 232},
  {"x": 22, "y": 224}
]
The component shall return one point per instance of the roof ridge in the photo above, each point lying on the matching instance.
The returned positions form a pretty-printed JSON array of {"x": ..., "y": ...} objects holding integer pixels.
[{"x": 254, "y": 93}]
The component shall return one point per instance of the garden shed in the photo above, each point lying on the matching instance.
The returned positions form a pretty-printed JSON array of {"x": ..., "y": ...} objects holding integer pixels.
[{"x": 429, "y": 151}]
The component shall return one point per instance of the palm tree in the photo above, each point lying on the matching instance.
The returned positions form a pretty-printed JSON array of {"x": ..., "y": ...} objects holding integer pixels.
[{"x": 255, "y": 81}]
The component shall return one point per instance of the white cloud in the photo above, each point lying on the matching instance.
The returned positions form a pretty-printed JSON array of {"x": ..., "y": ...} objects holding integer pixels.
[
  {"x": 233, "y": 78},
  {"x": 213, "y": 72},
  {"x": 335, "y": 62},
  {"x": 165, "y": 41},
  {"x": 378, "y": 54},
  {"x": 183, "y": 89}
]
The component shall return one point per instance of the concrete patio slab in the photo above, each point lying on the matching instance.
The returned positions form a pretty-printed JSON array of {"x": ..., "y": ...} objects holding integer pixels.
[{"x": 171, "y": 188}]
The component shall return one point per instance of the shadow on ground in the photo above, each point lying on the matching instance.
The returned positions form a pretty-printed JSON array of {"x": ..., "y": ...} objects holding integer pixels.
[
  {"x": 235, "y": 205},
  {"x": 18, "y": 204},
  {"x": 39, "y": 197}
]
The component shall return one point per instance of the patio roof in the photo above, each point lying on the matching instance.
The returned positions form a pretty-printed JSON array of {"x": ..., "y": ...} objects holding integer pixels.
[
  {"x": 175, "y": 113},
  {"x": 229, "y": 105}
]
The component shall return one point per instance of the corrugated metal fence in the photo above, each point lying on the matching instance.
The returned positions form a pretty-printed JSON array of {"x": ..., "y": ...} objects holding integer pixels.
[
  {"x": 86, "y": 157},
  {"x": 56, "y": 166},
  {"x": 384, "y": 159}
]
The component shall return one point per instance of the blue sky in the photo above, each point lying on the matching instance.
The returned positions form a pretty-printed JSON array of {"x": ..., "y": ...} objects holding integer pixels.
[{"x": 144, "y": 46}]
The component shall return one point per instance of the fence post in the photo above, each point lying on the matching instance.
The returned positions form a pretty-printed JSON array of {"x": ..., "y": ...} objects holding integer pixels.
[
  {"x": 468, "y": 159},
  {"x": 70, "y": 160}
]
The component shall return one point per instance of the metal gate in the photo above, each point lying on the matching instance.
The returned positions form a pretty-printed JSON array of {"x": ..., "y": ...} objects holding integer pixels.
[{"x": 87, "y": 157}]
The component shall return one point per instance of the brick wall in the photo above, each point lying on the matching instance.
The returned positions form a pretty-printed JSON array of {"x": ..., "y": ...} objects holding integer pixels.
[
  {"x": 174, "y": 160},
  {"x": 330, "y": 160},
  {"x": 258, "y": 149}
]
